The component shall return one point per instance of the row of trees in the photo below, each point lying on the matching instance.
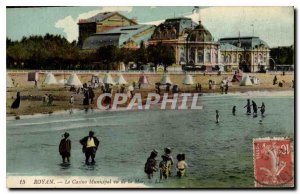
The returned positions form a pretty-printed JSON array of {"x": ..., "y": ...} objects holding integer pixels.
[{"x": 55, "y": 52}]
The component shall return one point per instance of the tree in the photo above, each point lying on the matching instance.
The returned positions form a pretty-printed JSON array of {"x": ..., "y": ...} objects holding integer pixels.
[
  {"x": 42, "y": 52},
  {"x": 161, "y": 54}
]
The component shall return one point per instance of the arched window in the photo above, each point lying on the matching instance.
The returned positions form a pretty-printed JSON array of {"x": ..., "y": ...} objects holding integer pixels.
[
  {"x": 234, "y": 58},
  {"x": 216, "y": 57},
  {"x": 200, "y": 56},
  {"x": 229, "y": 59},
  {"x": 260, "y": 58},
  {"x": 247, "y": 57},
  {"x": 223, "y": 58},
  {"x": 240, "y": 58},
  {"x": 207, "y": 57}
]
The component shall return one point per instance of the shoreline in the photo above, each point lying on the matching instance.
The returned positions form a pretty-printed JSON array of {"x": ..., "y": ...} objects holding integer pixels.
[
  {"x": 31, "y": 97},
  {"x": 256, "y": 93}
]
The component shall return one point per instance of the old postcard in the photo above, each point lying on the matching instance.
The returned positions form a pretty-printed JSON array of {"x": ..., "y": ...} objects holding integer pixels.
[{"x": 150, "y": 97}]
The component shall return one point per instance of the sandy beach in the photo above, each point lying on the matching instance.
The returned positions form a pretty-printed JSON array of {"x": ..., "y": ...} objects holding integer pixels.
[{"x": 31, "y": 97}]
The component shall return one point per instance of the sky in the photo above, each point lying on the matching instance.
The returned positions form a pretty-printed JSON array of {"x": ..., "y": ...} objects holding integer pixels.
[{"x": 275, "y": 25}]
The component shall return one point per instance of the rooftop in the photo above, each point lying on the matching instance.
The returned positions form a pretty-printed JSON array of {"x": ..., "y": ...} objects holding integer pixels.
[{"x": 97, "y": 18}]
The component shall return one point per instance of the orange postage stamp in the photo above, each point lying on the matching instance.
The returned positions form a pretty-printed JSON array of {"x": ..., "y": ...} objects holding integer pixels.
[{"x": 273, "y": 162}]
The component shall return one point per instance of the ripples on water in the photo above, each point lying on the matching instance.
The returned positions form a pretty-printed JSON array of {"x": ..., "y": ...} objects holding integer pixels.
[{"x": 219, "y": 155}]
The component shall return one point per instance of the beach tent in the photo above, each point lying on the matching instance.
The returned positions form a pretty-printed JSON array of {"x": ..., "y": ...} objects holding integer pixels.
[
  {"x": 9, "y": 82},
  {"x": 120, "y": 80},
  {"x": 143, "y": 80},
  {"x": 165, "y": 79},
  {"x": 254, "y": 80},
  {"x": 74, "y": 81},
  {"x": 108, "y": 79},
  {"x": 246, "y": 81},
  {"x": 188, "y": 80},
  {"x": 50, "y": 79}
]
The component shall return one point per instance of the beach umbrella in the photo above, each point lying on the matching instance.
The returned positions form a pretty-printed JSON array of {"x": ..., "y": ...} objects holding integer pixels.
[
  {"x": 165, "y": 79},
  {"x": 120, "y": 80},
  {"x": 9, "y": 82},
  {"x": 143, "y": 80},
  {"x": 74, "y": 81},
  {"x": 188, "y": 80},
  {"x": 50, "y": 79},
  {"x": 108, "y": 79}
]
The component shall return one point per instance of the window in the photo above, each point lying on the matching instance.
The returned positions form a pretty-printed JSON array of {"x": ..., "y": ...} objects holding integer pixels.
[
  {"x": 223, "y": 58},
  {"x": 207, "y": 57},
  {"x": 229, "y": 59},
  {"x": 200, "y": 56},
  {"x": 234, "y": 58}
]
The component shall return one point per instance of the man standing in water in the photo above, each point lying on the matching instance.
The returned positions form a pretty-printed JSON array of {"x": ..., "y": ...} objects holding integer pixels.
[
  {"x": 89, "y": 147},
  {"x": 248, "y": 107}
]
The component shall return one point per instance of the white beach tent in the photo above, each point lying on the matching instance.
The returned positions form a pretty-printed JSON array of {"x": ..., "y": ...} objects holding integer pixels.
[
  {"x": 165, "y": 79},
  {"x": 246, "y": 81},
  {"x": 74, "y": 81},
  {"x": 108, "y": 79},
  {"x": 188, "y": 80},
  {"x": 9, "y": 82},
  {"x": 50, "y": 79},
  {"x": 254, "y": 80},
  {"x": 120, "y": 80}
]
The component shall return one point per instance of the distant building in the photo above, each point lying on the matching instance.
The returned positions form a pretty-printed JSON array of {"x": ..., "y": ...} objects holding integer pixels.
[
  {"x": 124, "y": 37},
  {"x": 102, "y": 22},
  {"x": 250, "y": 54},
  {"x": 193, "y": 43}
]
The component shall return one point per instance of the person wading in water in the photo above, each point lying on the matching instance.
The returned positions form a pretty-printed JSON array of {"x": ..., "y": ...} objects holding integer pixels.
[
  {"x": 89, "y": 147},
  {"x": 248, "y": 107},
  {"x": 65, "y": 148},
  {"x": 150, "y": 165}
]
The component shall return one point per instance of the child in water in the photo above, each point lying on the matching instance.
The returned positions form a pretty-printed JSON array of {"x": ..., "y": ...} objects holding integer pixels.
[
  {"x": 150, "y": 166},
  {"x": 262, "y": 109},
  {"x": 217, "y": 116},
  {"x": 181, "y": 165},
  {"x": 164, "y": 167},
  {"x": 233, "y": 110},
  {"x": 170, "y": 158}
]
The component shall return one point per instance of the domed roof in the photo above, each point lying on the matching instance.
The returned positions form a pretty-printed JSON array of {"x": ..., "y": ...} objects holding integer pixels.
[{"x": 200, "y": 34}]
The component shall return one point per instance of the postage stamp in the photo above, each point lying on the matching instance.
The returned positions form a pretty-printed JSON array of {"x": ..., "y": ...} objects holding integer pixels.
[{"x": 273, "y": 162}]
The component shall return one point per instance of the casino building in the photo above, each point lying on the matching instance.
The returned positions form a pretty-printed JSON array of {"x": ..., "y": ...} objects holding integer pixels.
[{"x": 192, "y": 43}]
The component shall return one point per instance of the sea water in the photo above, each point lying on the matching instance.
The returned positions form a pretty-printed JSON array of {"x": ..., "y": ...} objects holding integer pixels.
[{"x": 218, "y": 155}]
